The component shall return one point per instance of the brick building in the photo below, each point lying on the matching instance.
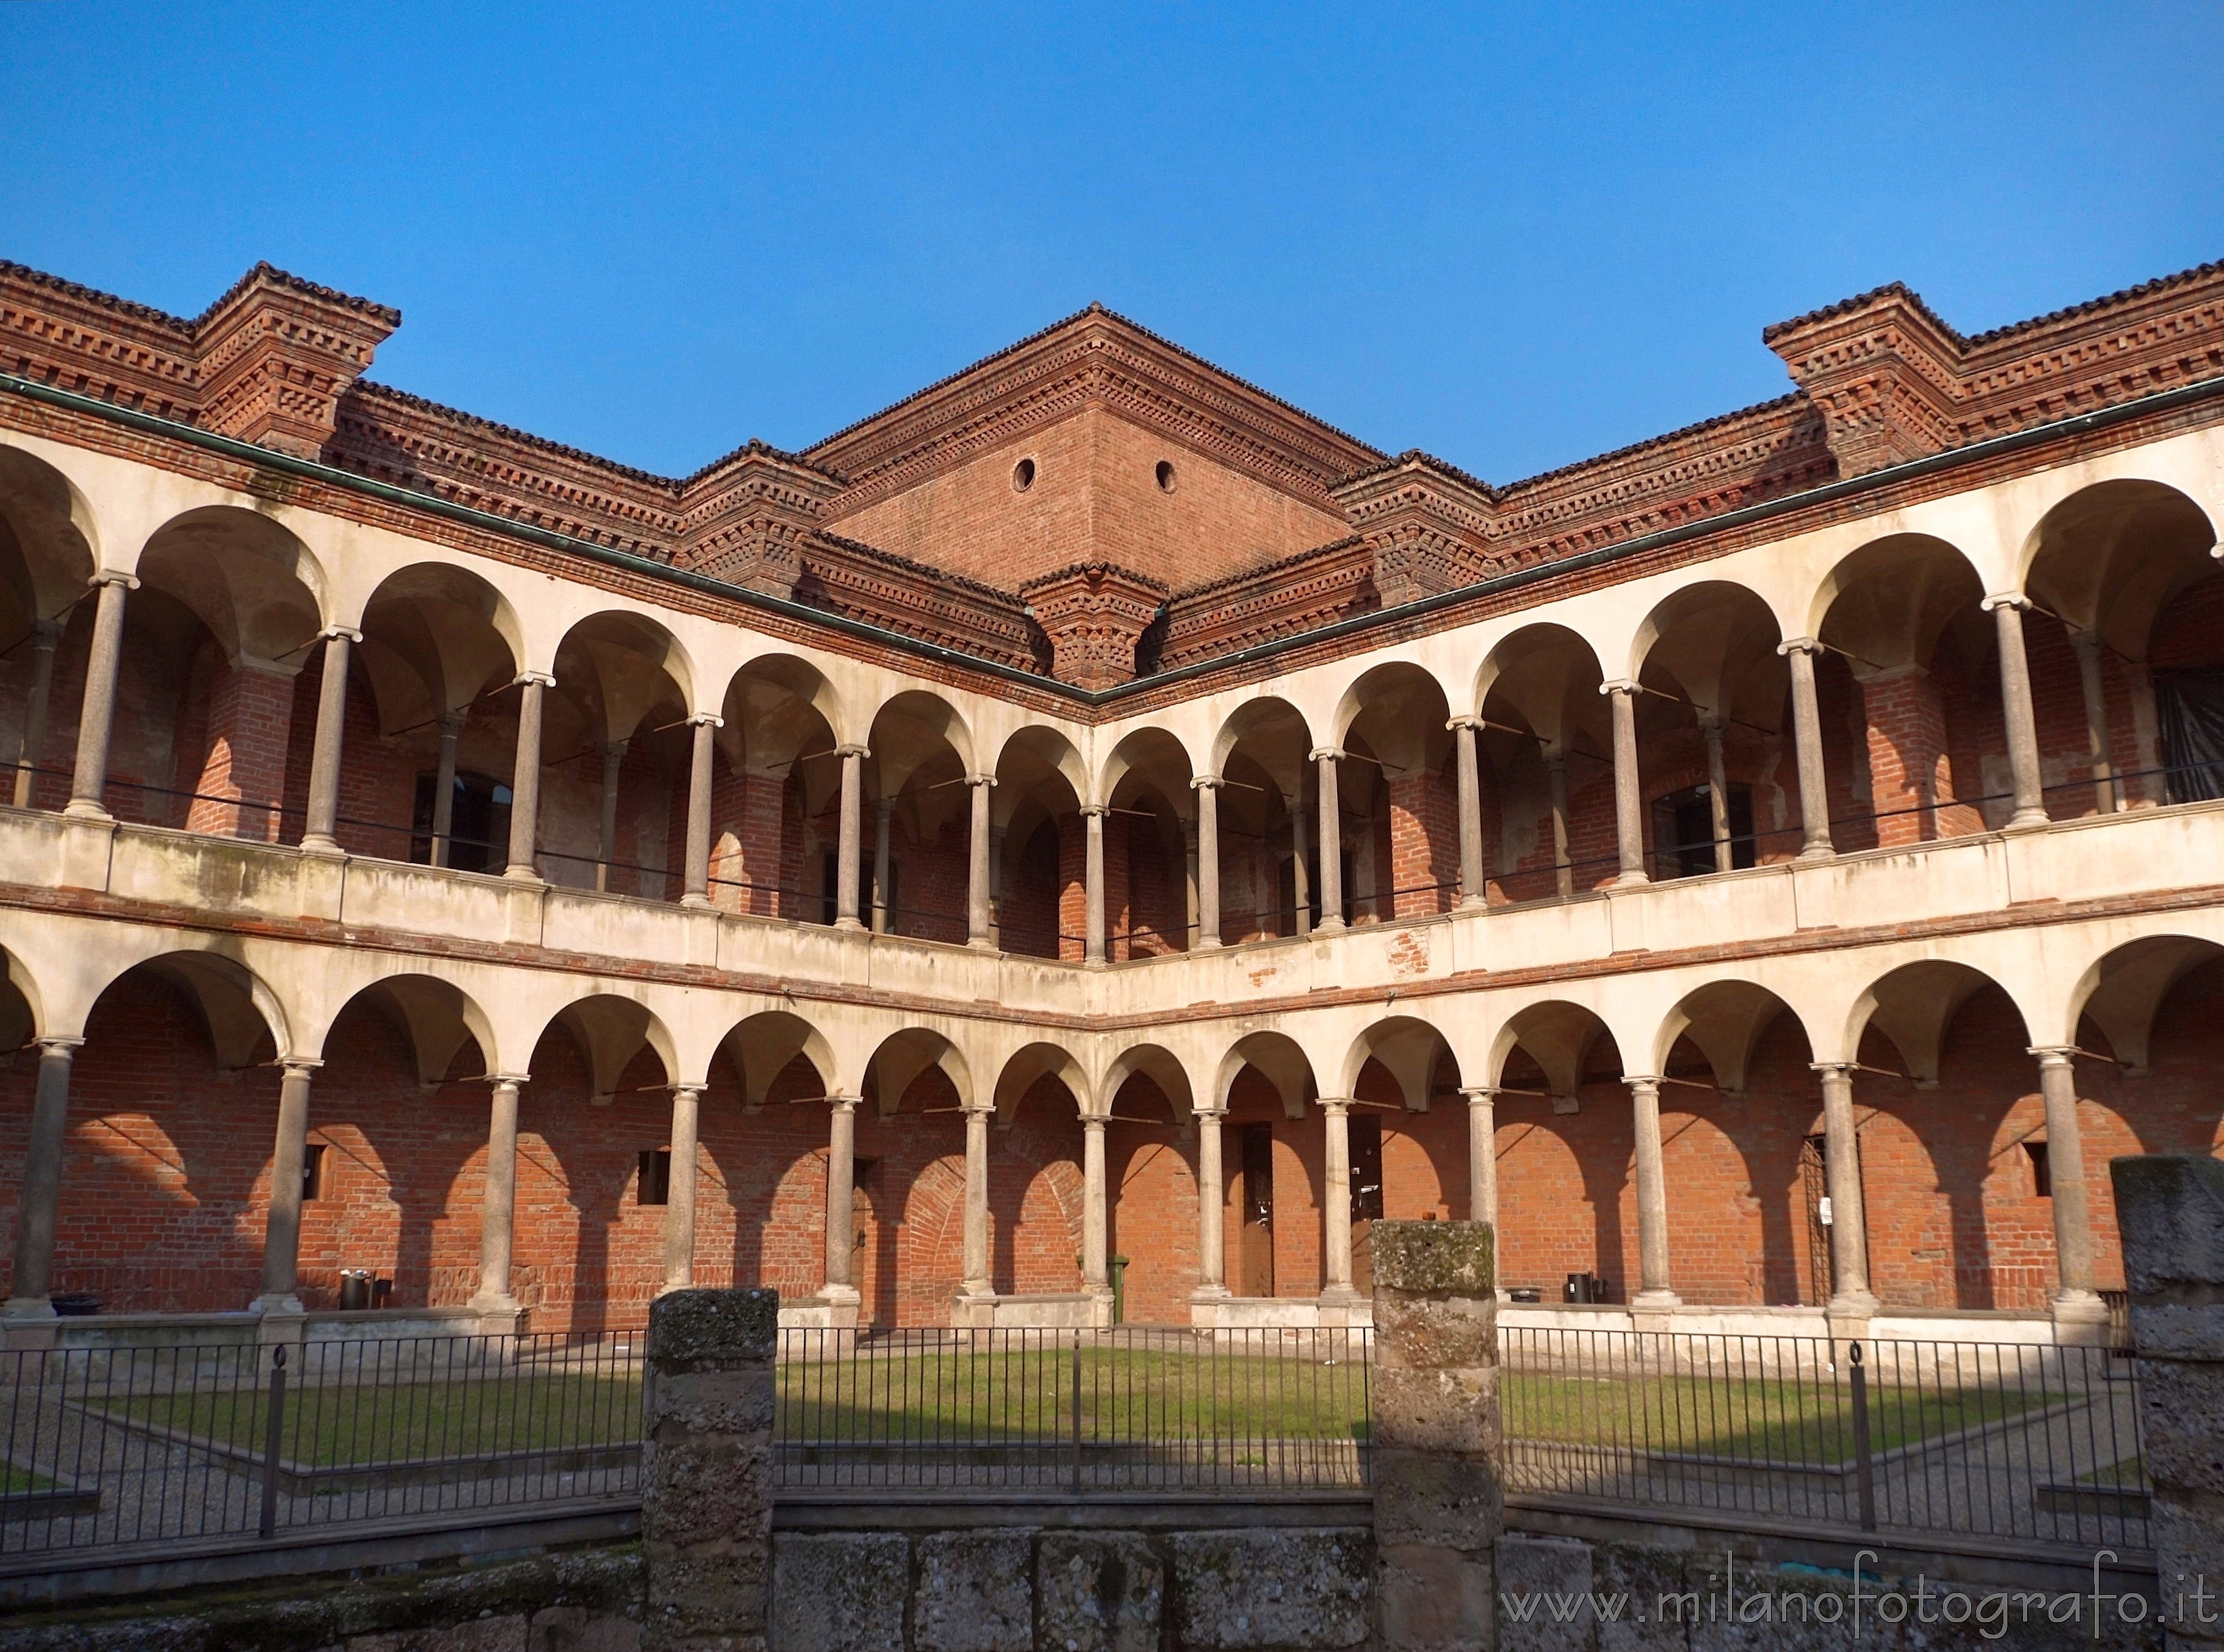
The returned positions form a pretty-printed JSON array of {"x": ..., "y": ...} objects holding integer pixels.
[{"x": 1092, "y": 810}]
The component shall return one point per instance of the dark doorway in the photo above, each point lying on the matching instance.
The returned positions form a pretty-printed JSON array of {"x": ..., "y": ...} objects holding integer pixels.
[
  {"x": 1365, "y": 1137},
  {"x": 1255, "y": 1258},
  {"x": 1815, "y": 1181}
]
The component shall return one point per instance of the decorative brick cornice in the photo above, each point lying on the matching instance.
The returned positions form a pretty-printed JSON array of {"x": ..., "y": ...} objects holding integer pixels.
[
  {"x": 1427, "y": 524},
  {"x": 1882, "y": 369},
  {"x": 1095, "y": 614},
  {"x": 746, "y": 520}
]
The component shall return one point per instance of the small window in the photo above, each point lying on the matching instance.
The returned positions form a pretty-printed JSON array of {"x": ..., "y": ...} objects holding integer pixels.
[
  {"x": 313, "y": 1171},
  {"x": 1023, "y": 476},
  {"x": 2042, "y": 1177},
  {"x": 1165, "y": 474},
  {"x": 654, "y": 1186}
]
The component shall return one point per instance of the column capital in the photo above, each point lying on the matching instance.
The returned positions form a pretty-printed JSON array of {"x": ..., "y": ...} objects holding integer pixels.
[
  {"x": 1332, "y": 753},
  {"x": 695, "y": 1087},
  {"x": 1999, "y": 599},
  {"x": 1464, "y": 723},
  {"x": 453, "y": 722},
  {"x": 1475, "y": 1092},
  {"x": 546, "y": 678},
  {"x": 853, "y": 750},
  {"x": 114, "y": 577},
  {"x": 514, "y": 1080},
  {"x": 304, "y": 1065},
  {"x": 984, "y": 1109},
  {"x": 1620, "y": 685},
  {"x": 2055, "y": 1054},
  {"x": 1791, "y": 645},
  {"x": 710, "y": 718},
  {"x": 1213, "y": 1113},
  {"x": 1641, "y": 1080},
  {"x": 1206, "y": 782},
  {"x": 981, "y": 780},
  {"x": 1094, "y": 1121},
  {"x": 47, "y": 635},
  {"x": 884, "y": 806},
  {"x": 1334, "y": 1106},
  {"x": 1826, "y": 1068},
  {"x": 1095, "y": 811},
  {"x": 843, "y": 1103},
  {"x": 61, "y": 1042},
  {"x": 341, "y": 633}
]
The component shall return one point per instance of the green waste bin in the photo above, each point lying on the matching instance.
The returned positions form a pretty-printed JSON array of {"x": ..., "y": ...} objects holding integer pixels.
[{"x": 1119, "y": 1270}]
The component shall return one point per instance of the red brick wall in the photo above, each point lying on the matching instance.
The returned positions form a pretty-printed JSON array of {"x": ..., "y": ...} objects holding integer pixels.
[{"x": 1423, "y": 846}]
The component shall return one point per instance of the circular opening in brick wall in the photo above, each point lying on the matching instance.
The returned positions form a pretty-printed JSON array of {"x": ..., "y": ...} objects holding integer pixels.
[
  {"x": 1165, "y": 476},
  {"x": 1023, "y": 476}
]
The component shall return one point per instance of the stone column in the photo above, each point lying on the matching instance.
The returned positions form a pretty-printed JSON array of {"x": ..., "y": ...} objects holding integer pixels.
[
  {"x": 443, "y": 787},
  {"x": 679, "y": 1194},
  {"x": 1331, "y": 842},
  {"x": 1189, "y": 885},
  {"x": 1211, "y": 1196},
  {"x": 1301, "y": 883},
  {"x": 1466, "y": 733},
  {"x": 498, "y": 1217},
  {"x": 1482, "y": 1154},
  {"x": 525, "y": 779},
  {"x": 840, "y": 1286},
  {"x": 1807, "y": 737},
  {"x": 1653, "y": 1289},
  {"x": 1850, "y": 1295},
  {"x": 702, "y": 777},
  {"x": 977, "y": 1283},
  {"x": 2075, "y": 1302},
  {"x": 46, "y": 637},
  {"x": 1095, "y": 1277},
  {"x": 706, "y": 1469},
  {"x": 1092, "y": 818},
  {"x": 996, "y": 886},
  {"x": 2169, "y": 1209},
  {"x": 2099, "y": 753},
  {"x": 883, "y": 808},
  {"x": 282, "y": 1232},
  {"x": 95, "y": 719},
  {"x": 318, "y": 831},
  {"x": 979, "y": 864},
  {"x": 1718, "y": 795},
  {"x": 2006, "y": 609},
  {"x": 1628, "y": 784},
  {"x": 1556, "y": 771},
  {"x": 606, "y": 842},
  {"x": 1207, "y": 787},
  {"x": 40, "y": 1201},
  {"x": 1335, "y": 1203},
  {"x": 1438, "y": 1505},
  {"x": 847, "y": 846}
]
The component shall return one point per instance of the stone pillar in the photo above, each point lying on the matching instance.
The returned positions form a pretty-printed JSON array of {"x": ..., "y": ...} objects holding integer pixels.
[
  {"x": 1718, "y": 795},
  {"x": 1211, "y": 1194},
  {"x": 706, "y": 1469},
  {"x": 1336, "y": 1202},
  {"x": 2075, "y": 1302},
  {"x": 849, "y": 848},
  {"x": 1189, "y": 885},
  {"x": 96, "y": 720},
  {"x": 1628, "y": 784},
  {"x": 46, "y": 637},
  {"x": 282, "y": 1232},
  {"x": 1466, "y": 732},
  {"x": 1653, "y": 1289},
  {"x": 1331, "y": 842},
  {"x": 2006, "y": 609},
  {"x": 996, "y": 886},
  {"x": 40, "y": 1201},
  {"x": 2099, "y": 754},
  {"x": 1482, "y": 1154},
  {"x": 1438, "y": 1505},
  {"x": 1092, "y": 818},
  {"x": 498, "y": 1214},
  {"x": 525, "y": 779},
  {"x": 1301, "y": 883},
  {"x": 841, "y": 1286},
  {"x": 679, "y": 1194},
  {"x": 977, "y": 1284},
  {"x": 1207, "y": 787},
  {"x": 1850, "y": 1295},
  {"x": 606, "y": 840},
  {"x": 317, "y": 832},
  {"x": 1807, "y": 737},
  {"x": 443, "y": 787},
  {"x": 1096, "y": 1276},
  {"x": 1556, "y": 771},
  {"x": 980, "y": 927},
  {"x": 702, "y": 778},
  {"x": 883, "y": 808}
]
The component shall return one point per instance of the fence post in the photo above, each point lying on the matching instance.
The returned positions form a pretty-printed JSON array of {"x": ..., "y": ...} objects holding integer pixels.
[
  {"x": 1077, "y": 1413},
  {"x": 1864, "y": 1468},
  {"x": 2169, "y": 1209},
  {"x": 273, "y": 1429},
  {"x": 1435, "y": 1435},
  {"x": 706, "y": 1467}
]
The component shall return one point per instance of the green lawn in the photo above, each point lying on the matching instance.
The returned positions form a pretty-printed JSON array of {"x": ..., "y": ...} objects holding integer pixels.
[
  {"x": 2130, "y": 1475},
  {"x": 1792, "y": 1419},
  {"x": 16, "y": 1480}
]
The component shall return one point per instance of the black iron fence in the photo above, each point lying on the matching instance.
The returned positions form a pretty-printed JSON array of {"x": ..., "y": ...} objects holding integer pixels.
[
  {"x": 162, "y": 1446},
  {"x": 1125, "y": 1408},
  {"x": 2033, "y": 1444}
]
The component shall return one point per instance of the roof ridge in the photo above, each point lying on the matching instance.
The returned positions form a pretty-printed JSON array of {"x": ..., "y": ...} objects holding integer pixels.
[
  {"x": 2141, "y": 289},
  {"x": 106, "y": 301},
  {"x": 264, "y": 268},
  {"x": 545, "y": 444},
  {"x": 1787, "y": 398},
  {"x": 1776, "y": 330}
]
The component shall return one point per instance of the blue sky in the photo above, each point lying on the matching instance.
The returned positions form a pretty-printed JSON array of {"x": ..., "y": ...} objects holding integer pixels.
[{"x": 1514, "y": 237}]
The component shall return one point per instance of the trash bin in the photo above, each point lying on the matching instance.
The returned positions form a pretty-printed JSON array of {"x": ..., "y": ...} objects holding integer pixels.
[
  {"x": 355, "y": 1289},
  {"x": 75, "y": 1304},
  {"x": 1526, "y": 1293},
  {"x": 1585, "y": 1288},
  {"x": 1119, "y": 1272}
]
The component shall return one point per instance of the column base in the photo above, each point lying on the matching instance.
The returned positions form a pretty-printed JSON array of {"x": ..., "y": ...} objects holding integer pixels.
[
  {"x": 524, "y": 874},
  {"x": 1629, "y": 881},
  {"x": 272, "y": 1302},
  {"x": 974, "y": 1309},
  {"x": 1655, "y": 1300},
  {"x": 328, "y": 847},
  {"x": 2027, "y": 820},
  {"x": 1473, "y": 903},
  {"x": 1329, "y": 927},
  {"x": 1207, "y": 944},
  {"x": 1852, "y": 1305},
  {"x": 850, "y": 925},
  {"x": 28, "y": 1310},
  {"x": 1814, "y": 855},
  {"x": 696, "y": 902},
  {"x": 2079, "y": 1316},
  {"x": 83, "y": 809}
]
